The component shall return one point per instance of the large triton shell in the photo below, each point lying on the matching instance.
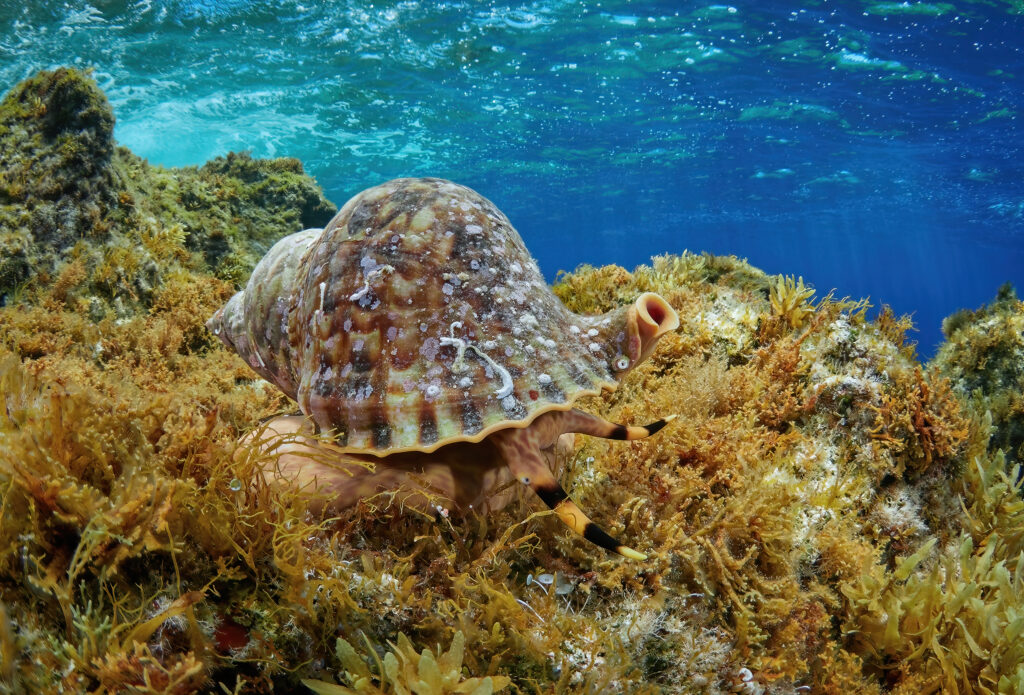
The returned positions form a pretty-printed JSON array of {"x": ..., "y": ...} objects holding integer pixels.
[{"x": 417, "y": 318}]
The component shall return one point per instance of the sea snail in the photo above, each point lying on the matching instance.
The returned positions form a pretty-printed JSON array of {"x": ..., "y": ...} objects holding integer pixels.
[{"x": 417, "y": 330}]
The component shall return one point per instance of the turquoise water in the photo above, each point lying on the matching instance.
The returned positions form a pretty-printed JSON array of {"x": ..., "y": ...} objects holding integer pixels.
[{"x": 871, "y": 147}]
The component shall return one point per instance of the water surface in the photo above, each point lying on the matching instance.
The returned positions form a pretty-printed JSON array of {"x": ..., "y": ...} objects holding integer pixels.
[{"x": 871, "y": 147}]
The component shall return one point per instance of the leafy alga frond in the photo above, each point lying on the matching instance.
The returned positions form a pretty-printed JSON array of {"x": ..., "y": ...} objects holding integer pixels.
[
  {"x": 790, "y": 300},
  {"x": 403, "y": 672},
  {"x": 957, "y": 625}
]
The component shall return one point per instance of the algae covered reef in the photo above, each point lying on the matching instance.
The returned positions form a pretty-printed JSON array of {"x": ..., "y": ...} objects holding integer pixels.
[
  {"x": 826, "y": 515},
  {"x": 983, "y": 356},
  {"x": 78, "y": 210}
]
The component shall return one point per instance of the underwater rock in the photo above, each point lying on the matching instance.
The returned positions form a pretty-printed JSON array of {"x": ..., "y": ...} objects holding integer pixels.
[
  {"x": 56, "y": 180},
  {"x": 74, "y": 205},
  {"x": 983, "y": 356}
]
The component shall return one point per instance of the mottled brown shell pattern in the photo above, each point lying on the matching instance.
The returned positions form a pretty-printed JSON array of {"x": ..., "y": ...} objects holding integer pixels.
[
  {"x": 261, "y": 311},
  {"x": 416, "y": 318}
]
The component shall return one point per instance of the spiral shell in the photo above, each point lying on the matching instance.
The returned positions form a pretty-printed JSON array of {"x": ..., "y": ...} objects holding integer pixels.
[{"x": 416, "y": 318}]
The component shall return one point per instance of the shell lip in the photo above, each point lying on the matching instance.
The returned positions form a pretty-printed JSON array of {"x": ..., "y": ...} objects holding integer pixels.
[
  {"x": 656, "y": 312},
  {"x": 485, "y": 432}
]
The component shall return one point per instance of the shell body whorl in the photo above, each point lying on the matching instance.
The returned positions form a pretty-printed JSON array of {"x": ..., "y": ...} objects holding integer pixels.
[{"x": 416, "y": 318}]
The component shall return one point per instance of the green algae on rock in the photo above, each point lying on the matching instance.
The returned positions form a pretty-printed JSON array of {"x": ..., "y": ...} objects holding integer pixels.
[
  {"x": 983, "y": 356},
  {"x": 70, "y": 198}
]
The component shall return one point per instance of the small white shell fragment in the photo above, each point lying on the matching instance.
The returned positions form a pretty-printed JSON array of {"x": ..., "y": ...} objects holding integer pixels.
[
  {"x": 544, "y": 379},
  {"x": 562, "y": 585},
  {"x": 594, "y": 347}
]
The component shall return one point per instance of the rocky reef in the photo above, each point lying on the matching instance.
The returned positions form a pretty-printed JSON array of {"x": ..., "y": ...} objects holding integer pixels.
[
  {"x": 78, "y": 210},
  {"x": 983, "y": 356},
  {"x": 826, "y": 515}
]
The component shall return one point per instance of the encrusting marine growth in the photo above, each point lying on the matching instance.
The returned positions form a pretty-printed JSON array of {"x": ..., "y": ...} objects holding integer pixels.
[{"x": 417, "y": 320}]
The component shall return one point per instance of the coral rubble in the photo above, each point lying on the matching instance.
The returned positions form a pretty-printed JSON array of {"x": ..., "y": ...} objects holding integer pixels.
[{"x": 824, "y": 516}]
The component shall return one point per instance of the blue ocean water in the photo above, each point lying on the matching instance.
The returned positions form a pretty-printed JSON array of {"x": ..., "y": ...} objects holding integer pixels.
[{"x": 871, "y": 147}]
